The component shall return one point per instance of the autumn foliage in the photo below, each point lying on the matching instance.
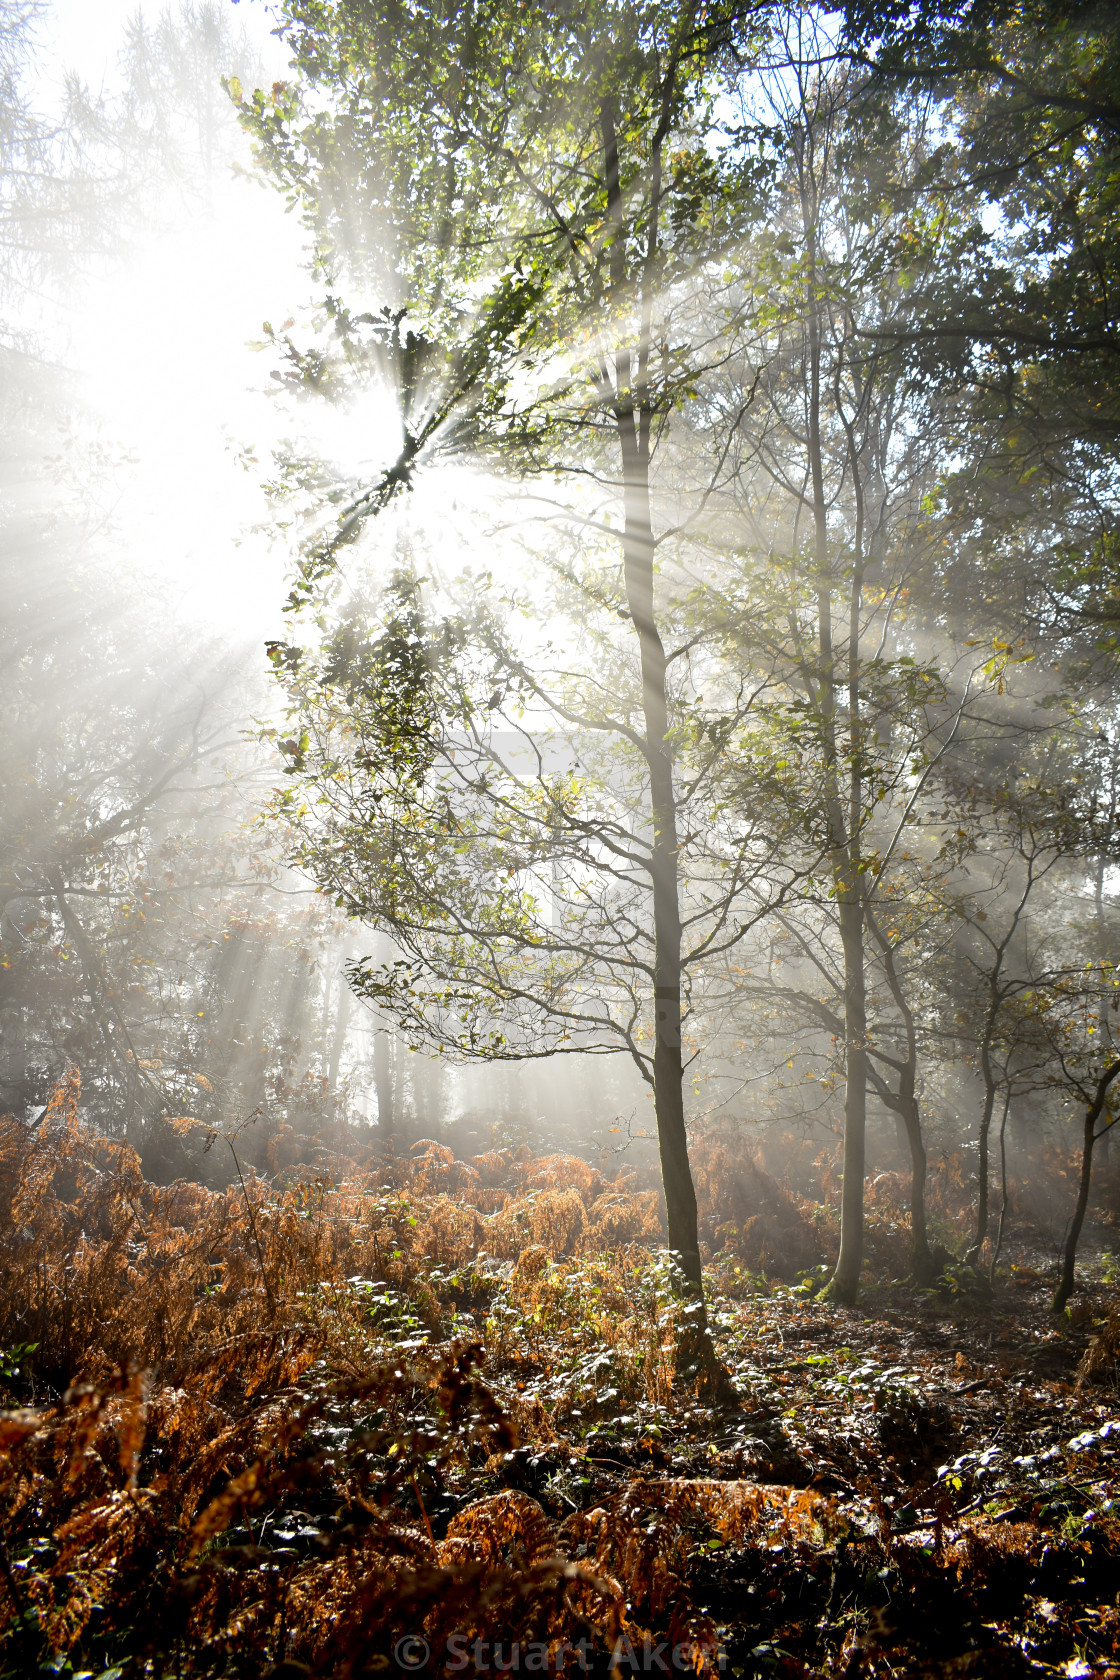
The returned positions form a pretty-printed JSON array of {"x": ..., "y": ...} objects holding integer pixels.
[{"x": 293, "y": 1422}]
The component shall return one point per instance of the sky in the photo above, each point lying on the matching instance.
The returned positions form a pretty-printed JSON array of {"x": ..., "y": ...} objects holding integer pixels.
[
  {"x": 174, "y": 393},
  {"x": 160, "y": 342},
  {"x": 84, "y": 35}
]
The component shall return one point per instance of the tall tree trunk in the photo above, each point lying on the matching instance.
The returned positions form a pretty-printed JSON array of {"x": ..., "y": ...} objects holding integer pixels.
[
  {"x": 843, "y": 828},
  {"x": 427, "y": 1081},
  {"x": 983, "y": 1169},
  {"x": 633, "y": 413},
  {"x": 845, "y": 1280},
  {"x": 383, "y": 1089},
  {"x": 904, "y": 1106},
  {"x": 904, "y": 1103},
  {"x": 325, "y": 1028},
  {"x": 338, "y": 1036},
  {"x": 997, "y": 993},
  {"x": 922, "y": 1263},
  {"x": 1003, "y": 1187},
  {"x": 668, "y": 1073},
  {"x": 1100, "y": 932},
  {"x": 1089, "y": 1138}
]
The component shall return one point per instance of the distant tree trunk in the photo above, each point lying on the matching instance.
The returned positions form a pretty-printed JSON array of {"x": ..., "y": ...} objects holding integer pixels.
[
  {"x": 997, "y": 1250},
  {"x": 294, "y": 1014},
  {"x": 997, "y": 993},
  {"x": 904, "y": 1104},
  {"x": 325, "y": 1028},
  {"x": 338, "y": 1037},
  {"x": 983, "y": 1175},
  {"x": 845, "y": 1280},
  {"x": 843, "y": 827},
  {"x": 1089, "y": 1138},
  {"x": 922, "y": 1263},
  {"x": 383, "y": 1089},
  {"x": 142, "y": 1099},
  {"x": 1100, "y": 931}
]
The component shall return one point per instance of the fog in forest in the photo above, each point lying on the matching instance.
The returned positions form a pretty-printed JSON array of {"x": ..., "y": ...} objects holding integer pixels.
[
  {"x": 153, "y": 932},
  {"x": 203, "y": 372},
  {"x": 559, "y": 838}
]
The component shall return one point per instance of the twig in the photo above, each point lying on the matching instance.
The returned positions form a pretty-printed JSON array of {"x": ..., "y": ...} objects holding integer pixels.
[{"x": 423, "y": 1513}]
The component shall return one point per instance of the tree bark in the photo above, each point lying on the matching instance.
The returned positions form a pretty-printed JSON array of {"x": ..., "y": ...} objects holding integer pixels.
[
  {"x": 338, "y": 1036},
  {"x": 922, "y": 1263},
  {"x": 996, "y": 998},
  {"x": 668, "y": 1072},
  {"x": 383, "y": 1089},
  {"x": 1089, "y": 1138},
  {"x": 843, "y": 831},
  {"x": 633, "y": 413},
  {"x": 1003, "y": 1187},
  {"x": 904, "y": 1104},
  {"x": 983, "y": 1176},
  {"x": 987, "y": 1073},
  {"x": 845, "y": 1280}
]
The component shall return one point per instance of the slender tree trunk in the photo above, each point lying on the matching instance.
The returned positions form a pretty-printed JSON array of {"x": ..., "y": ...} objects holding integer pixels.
[
  {"x": 633, "y": 414},
  {"x": 997, "y": 1250},
  {"x": 427, "y": 1079},
  {"x": 849, "y": 1264},
  {"x": 996, "y": 998},
  {"x": 383, "y": 1089},
  {"x": 325, "y": 1028},
  {"x": 922, "y": 1263},
  {"x": 842, "y": 826},
  {"x": 1100, "y": 935},
  {"x": 338, "y": 1036},
  {"x": 126, "y": 1063},
  {"x": 668, "y": 1073},
  {"x": 1089, "y": 1138},
  {"x": 903, "y": 1104},
  {"x": 983, "y": 1171}
]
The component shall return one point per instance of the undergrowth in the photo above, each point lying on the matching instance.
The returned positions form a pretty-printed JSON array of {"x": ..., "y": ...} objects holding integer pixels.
[{"x": 423, "y": 1418}]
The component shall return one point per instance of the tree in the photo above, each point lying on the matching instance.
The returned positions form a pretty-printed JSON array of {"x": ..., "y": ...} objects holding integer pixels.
[
  {"x": 144, "y": 940},
  {"x": 494, "y": 819},
  {"x": 1012, "y": 840},
  {"x": 536, "y": 193},
  {"x": 1032, "y": 93},
  {"x": 1025, "y": 327},
  {"x": 834, "y": 450}
]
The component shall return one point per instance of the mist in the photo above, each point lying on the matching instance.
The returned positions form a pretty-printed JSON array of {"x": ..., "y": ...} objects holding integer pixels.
[
  {"x": 165, "y": 476},
  {"x": 142, "y": 578},
  {"x": 560, "y": 836}
]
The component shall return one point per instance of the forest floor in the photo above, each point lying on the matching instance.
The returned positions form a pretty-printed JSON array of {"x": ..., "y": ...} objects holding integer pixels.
[{"x": 335, "y": 1429}]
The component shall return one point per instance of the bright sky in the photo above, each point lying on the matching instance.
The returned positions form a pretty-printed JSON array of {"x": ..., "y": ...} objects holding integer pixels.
[
  {"x": 160, "y": 341},
  {"x": 85, "y": 35},
  {"x": 161, "y": 344}
]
